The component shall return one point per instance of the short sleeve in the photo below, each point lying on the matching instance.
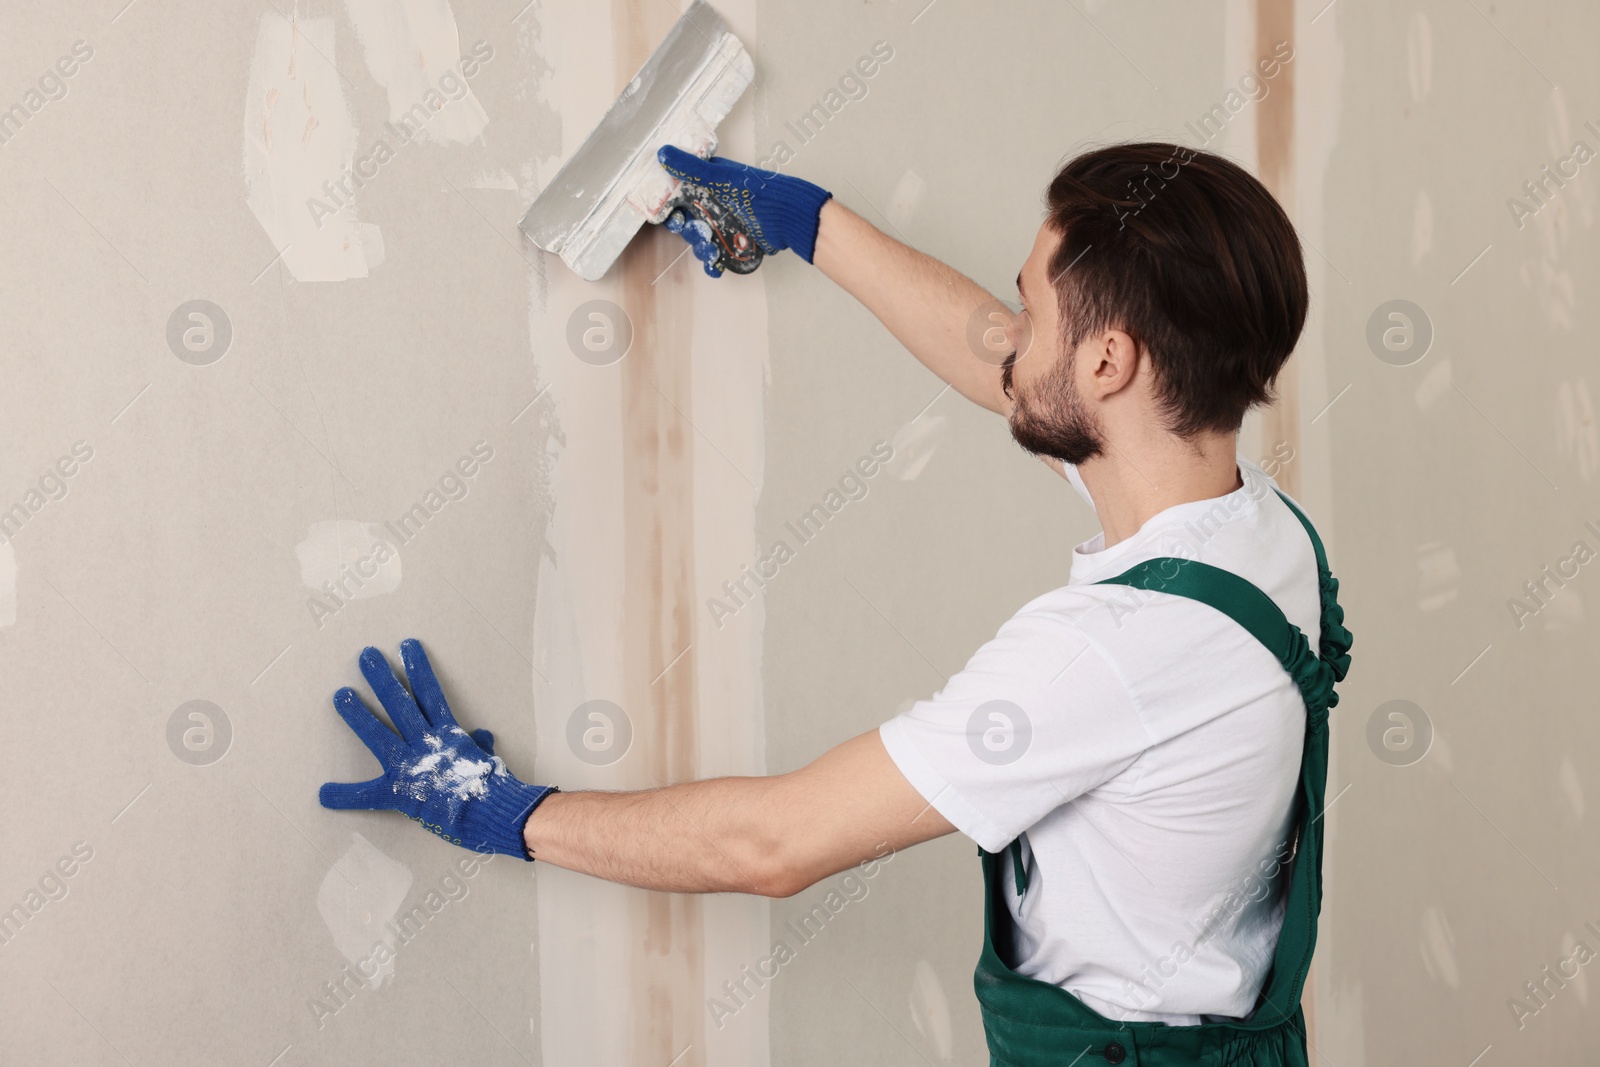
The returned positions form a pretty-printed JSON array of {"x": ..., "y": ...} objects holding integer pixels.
[{"x": 1037, "y": 717}]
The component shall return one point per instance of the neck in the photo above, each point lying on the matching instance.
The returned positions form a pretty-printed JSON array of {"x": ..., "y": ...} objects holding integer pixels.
[{"x": 1131, "y": 485}]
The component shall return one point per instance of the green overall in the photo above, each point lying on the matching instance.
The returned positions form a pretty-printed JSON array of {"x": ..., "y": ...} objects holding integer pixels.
[{"x": 1030, "y": 1023}]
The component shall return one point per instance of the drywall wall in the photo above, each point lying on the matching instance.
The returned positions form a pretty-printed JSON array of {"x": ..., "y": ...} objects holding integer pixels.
[
  {"x": 235, "y": 375},
  {"x": 254, "y": 405},
  {"x": 1463, "y": 452}
]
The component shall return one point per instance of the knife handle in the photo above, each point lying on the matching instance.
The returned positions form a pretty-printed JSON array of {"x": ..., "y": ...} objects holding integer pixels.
[{"x": 737, "y": 250}]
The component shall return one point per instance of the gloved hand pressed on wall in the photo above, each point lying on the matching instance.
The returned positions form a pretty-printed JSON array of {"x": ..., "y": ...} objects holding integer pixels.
[
  {"x": 434, "y": 772},
  {"x": 779, "y": 211}
]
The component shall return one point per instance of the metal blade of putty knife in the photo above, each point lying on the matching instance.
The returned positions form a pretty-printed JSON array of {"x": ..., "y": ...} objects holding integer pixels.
[{"x": 613, "y": 184}]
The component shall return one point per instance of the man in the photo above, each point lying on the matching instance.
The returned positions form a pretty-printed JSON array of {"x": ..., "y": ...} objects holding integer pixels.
[{"x": 1141, "y": 753}]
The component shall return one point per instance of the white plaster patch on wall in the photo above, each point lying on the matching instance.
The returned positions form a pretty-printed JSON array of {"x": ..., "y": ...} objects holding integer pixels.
[
  {"x": 1342, "y": 1011},
  {"x": 930, "y": 1010},
  {"x": 298, "y": 136},
  {"x": 905, "y": 197},
  {"x": 1441, "y": 761},
  {"x": 1439, "y": 575},
  {"x": 1563, "y": 199},
  {"x": 501, "y": 179},
  {"x": 350, "y": 556},
  {"x": 8, "y": 584},
  {"x": 1571, "y": 785},
  {"x": 1579, "y": 432},
  {"x": 914, "y": 445},
  {"x": 1580, "y": 983},
  {"x": 371, "y": 243},
  {"x": 1421, "y": 227},
  {"x": 360, "y": 895},
  {"x": 1564, "y": 612},
  {"x": 1433, "y": 385},
  {"x": 1419, "y": 56},
  {"x": 413, "y": 50},
  {"x": 1559, "y": 138},
  {"x": 1437, "y": 942}
]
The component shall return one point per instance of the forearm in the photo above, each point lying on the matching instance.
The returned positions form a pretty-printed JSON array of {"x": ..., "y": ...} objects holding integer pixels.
[
  {"x": 770, "y": 836},
  {"x": 930, "y": 308},
  {"x": 697, "y": 837}
]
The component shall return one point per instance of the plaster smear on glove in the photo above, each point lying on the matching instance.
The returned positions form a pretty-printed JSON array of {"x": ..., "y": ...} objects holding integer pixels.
[
  {"x": 449, "y": 772},
  {"x": 360, "y": 895}
]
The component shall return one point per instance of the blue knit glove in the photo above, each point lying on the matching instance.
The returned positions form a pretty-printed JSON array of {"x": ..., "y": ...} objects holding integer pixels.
[
  {"x": 434, "y": 772},
  {"x": 779, "y": 211}
]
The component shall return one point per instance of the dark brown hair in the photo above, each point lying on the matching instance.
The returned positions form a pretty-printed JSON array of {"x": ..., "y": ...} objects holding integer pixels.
[{"x": 1191, "y": 257}]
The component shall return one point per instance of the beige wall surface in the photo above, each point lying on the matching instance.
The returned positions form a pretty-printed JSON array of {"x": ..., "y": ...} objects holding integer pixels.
[
  {"x": 227, "y": 383},
  {"x": 1460, "y": 870}
]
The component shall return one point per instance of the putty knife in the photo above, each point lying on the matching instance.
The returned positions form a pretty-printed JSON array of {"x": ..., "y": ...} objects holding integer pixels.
[{"x": 613, "y": 184}]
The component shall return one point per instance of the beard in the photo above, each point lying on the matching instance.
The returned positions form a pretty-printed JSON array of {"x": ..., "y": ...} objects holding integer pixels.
[{"x": 1056, "y": 423}]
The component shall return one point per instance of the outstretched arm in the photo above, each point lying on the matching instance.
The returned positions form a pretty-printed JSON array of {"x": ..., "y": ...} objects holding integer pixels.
[
  {"x": 773, "y": 836},
  {"x": 931, "y": 308},
  {"x": 769, "y": 836}
]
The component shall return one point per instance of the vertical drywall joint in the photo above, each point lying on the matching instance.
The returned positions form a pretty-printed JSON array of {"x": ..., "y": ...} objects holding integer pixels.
[
  {"x": 1274, "y": 23},
  {"x": 658, "y": 582}
]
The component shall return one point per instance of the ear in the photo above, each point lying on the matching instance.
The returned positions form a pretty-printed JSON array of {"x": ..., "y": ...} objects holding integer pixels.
[{"x": 1113, "y": 361}]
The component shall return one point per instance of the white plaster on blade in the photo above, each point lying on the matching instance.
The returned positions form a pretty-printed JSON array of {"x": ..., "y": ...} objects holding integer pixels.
[
  {"x": 299, "y": 135},
  {"x": 413, "y": 50},
  {"x": 361, "y": 893}
]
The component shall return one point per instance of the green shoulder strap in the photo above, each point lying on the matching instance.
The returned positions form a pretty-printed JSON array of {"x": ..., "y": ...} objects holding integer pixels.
[{"x": 1247, "y": 605}]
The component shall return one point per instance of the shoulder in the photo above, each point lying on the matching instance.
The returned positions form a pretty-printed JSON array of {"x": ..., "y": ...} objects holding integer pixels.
[{"x": 1033, "y": 650}]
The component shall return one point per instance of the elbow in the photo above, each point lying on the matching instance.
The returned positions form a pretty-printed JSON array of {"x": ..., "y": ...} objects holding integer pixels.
[
  {"x": 772, "y": 869},
  {"x": 778, "y": 851},
  {"x": 782, "y": 881}
]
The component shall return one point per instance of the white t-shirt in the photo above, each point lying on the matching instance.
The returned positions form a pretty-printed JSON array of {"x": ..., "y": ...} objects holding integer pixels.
[{"x": 1149, "y": 749}]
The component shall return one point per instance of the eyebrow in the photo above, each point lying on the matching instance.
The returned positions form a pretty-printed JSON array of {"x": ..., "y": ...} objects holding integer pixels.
[{"x": 1019, "y": 288}]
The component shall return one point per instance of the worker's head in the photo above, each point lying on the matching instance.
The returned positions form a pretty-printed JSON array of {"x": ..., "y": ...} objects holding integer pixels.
[{"x": 1164, "y": 288}]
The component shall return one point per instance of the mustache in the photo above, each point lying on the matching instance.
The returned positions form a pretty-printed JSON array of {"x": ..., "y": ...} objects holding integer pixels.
[{"x": 1006, "y": 374}]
